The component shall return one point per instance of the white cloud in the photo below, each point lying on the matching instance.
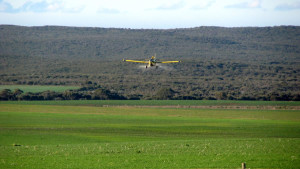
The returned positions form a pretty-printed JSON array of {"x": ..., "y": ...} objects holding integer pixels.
[
  {"x": 288, "y": 6},
  {"x": 16, "y": 6},
  {"x": 255, "y": 4},
  {"x": 53, "y": 7},
  {"x": 171, "y": 5},
  {"x": 201, "y": 4},
  {"x": 247, "y": 4},
  {"x": 4, "y": 6},
  {"x": 108, "y": 11},
  {"x": 18, "y": 3}
]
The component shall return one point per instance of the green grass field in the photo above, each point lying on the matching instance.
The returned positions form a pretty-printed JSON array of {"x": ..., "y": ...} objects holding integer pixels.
[
  {"x": 33, "y": 135},
  {"x": 37, "y": 88}
]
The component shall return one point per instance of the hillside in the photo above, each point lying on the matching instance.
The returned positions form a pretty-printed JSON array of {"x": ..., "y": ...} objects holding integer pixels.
[{"x": 217, "y": 63}]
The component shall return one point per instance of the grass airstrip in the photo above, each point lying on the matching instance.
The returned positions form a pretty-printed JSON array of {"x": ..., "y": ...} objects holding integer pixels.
[{"x": 90, "y": 134}]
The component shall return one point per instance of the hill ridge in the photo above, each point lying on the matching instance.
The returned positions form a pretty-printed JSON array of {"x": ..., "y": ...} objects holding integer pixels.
[{"x": 218, "y": 62}]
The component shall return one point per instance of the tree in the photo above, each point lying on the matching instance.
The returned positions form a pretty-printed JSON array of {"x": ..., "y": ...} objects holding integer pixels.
[
  {"x": 221, "y": 95},
  {"x": 49, "y": 95},
  {"x": 6, "y": 94},
  {"x": 71, "y": 95},
  {"x": 165, "y": 94},
  {"x": 101, "y": 94},
  {"x": 17, "y": 94},
  {"x": 31, "y": 96},
  {"x": 296, "y": 97}
]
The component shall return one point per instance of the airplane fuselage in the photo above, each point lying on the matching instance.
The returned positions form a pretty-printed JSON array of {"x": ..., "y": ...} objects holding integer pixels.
[{"x": 152, "y": 62}]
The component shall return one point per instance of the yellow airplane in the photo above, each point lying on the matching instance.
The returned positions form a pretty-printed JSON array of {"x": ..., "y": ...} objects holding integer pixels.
[{"x": 151, "y": 62}]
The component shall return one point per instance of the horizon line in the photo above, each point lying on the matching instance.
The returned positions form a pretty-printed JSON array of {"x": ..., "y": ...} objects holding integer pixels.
[{"x": 149, "y": 28}]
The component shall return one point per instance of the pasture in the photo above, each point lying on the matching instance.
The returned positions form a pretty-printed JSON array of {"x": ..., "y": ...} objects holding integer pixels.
[
  {"x": 36, "y": 135},
  {"x": 38, "y": 88},
  {"x": 160, "y": 103}
]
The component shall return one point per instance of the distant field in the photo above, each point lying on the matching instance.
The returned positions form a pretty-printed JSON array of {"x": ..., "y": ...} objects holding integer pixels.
[
  {"x": 68, "y": 136},
  {"x": 159, "y": 103},
  {"x": 37, "y": 88}
]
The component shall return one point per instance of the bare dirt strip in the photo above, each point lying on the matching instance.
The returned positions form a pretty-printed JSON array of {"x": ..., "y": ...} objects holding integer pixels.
[{"x": 214, "y": 107}]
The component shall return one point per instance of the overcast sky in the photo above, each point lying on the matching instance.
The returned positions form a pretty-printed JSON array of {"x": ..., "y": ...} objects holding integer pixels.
[{"x": 150, "y": 13}]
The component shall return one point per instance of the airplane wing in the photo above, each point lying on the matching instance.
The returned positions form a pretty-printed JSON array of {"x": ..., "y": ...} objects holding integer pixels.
[
  {"x": 169, "y": 61},
  {"x": 136, "y": 61}
]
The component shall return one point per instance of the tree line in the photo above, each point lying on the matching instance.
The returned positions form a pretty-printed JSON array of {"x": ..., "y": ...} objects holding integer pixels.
[
  {"x": 84, "y": 93},
  {"x": 99, "y": 93}
]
